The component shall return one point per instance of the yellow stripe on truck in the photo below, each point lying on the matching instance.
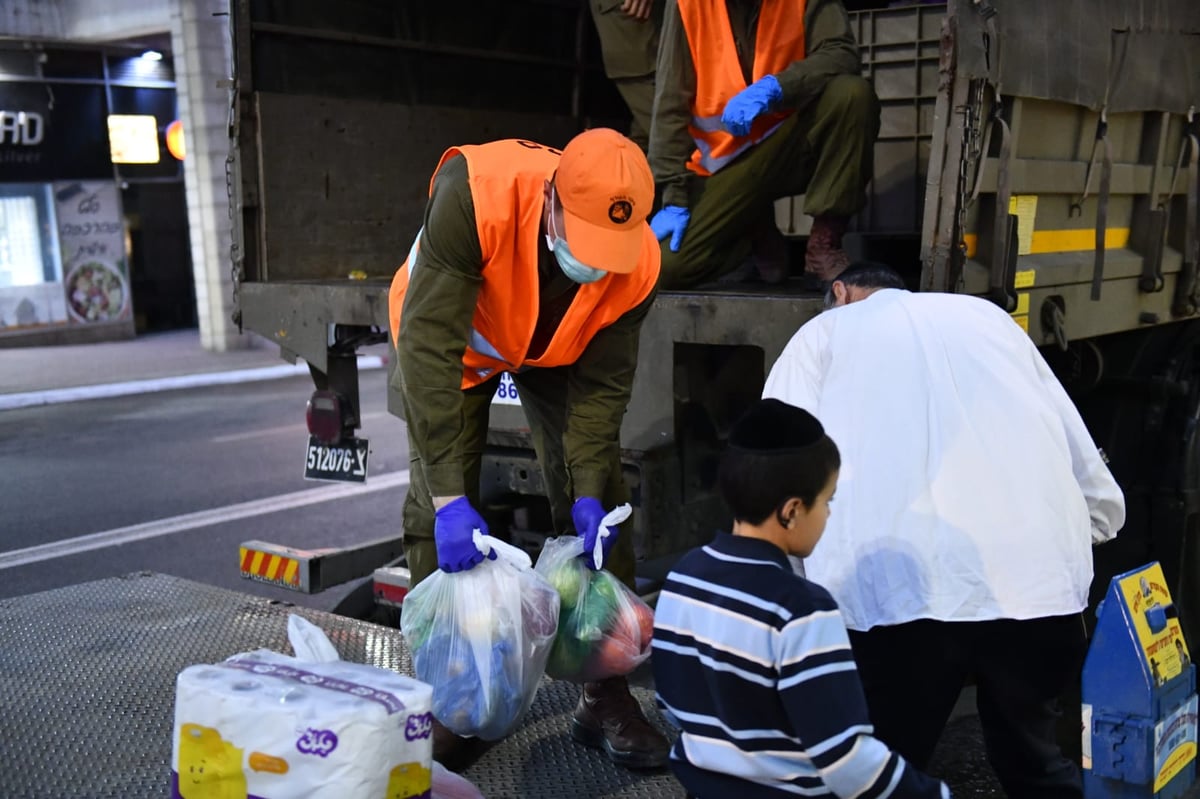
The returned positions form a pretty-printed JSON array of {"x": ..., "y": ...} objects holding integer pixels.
[{"x": 1045, "y": 241}]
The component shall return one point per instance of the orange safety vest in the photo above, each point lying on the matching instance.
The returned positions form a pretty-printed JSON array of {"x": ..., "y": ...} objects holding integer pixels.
[
  {"x": 506, "y": 179},
  {"x": 778, "y": 42}
]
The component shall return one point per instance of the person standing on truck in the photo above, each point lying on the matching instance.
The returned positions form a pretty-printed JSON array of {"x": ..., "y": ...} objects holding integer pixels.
[
  {"x": 628, "y": 33},
  {"x": 751, "y": 658},
  {"x": 756, "y": 100},
  {"x": 537, "y": 263},
  {"x": 970, "y": 498}
]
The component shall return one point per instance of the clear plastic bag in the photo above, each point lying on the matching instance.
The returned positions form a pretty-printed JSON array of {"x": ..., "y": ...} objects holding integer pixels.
[
  {"x": 481, "y": 638},
  {"x": 604, "y": 629}
]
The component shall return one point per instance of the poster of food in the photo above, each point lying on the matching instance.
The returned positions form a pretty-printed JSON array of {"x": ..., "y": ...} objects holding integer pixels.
[{"x": 91, "y": 240}]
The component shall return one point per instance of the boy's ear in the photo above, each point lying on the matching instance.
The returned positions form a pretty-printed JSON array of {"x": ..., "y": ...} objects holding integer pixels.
[{"x": 792, "y": 508}]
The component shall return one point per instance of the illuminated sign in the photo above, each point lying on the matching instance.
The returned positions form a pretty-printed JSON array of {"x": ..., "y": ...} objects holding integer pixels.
[
  {"x": 133, "y": 139},
  {"x": 21, "y": 127}
]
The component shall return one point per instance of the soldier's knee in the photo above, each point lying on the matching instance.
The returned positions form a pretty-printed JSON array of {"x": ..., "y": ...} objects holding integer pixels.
[{"x": 850, "y": 95}]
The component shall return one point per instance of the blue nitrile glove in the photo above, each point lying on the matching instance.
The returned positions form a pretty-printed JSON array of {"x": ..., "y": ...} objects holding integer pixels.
[
  {"x": 745, "y": 106},
  {"x": 671, "y": 221},
  {"x": 587, "y": 513},
  {"x": 453, "y": 526}
]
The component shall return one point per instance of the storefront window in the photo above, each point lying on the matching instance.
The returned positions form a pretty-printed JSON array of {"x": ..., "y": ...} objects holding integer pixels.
[
  {"x": 31, "y": 289},
  {"x": 64, "y": 248},
  {"x": 28, "y": 250}
]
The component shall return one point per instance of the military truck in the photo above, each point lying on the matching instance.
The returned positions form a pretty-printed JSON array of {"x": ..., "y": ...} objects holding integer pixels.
[{"x": 1042, "y": 155}]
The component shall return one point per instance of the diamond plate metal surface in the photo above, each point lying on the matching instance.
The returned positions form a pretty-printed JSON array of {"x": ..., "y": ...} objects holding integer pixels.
[{"x": 87, "y": 692}]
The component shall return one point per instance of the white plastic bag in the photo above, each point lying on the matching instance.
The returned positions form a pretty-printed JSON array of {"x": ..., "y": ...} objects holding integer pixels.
[
  {"x": 604, "y": 629},
  {"x": 481, "y": 638}
]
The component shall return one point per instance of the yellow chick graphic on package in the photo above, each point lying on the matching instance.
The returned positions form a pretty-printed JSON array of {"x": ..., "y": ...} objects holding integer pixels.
[
  {"x": 209, "y": 767},
  {"x": 262, "y": 725}
]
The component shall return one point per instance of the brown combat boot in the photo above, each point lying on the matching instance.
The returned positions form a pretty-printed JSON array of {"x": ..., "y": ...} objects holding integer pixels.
[
  {"x": 453, "y": 751},
  {"x": 609, "y": 718},
  {"x": 824, "y": 259}
]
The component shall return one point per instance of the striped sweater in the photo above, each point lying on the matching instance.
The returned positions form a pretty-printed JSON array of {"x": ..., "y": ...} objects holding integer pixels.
[{"x": 753, "y": 663}]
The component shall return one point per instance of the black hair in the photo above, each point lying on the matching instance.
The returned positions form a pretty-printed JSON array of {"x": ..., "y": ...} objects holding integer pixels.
[
  {"x": 871, "y": 275},
  {"x": 775, "y": 452},
  {"x": 867, "y": 275}
]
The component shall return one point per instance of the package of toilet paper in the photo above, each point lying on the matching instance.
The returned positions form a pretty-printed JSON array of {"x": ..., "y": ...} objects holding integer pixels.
[{"x": 263, "y": 725}]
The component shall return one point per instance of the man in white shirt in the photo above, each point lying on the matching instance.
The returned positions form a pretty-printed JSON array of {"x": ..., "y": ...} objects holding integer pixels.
[{"x": 969, "y": 499}]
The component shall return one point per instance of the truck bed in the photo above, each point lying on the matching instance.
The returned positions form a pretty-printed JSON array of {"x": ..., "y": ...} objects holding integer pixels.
[{"x": 87, "y": 690}]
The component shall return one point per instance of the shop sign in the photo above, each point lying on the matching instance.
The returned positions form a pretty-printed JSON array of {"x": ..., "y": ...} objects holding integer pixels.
[
  {"x": 25, "y": 128},
  {"x": 91, "y": 238},
  {"x": 50, "y": 131}
]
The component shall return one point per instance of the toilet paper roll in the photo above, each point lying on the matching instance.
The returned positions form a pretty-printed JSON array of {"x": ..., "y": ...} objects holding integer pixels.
[{"x": 263, "y": 725}]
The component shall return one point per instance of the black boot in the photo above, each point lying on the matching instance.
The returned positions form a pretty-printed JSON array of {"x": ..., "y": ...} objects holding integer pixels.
[
  {"x": 609, "y": 718},
  {"x": 454, "y": 751}
]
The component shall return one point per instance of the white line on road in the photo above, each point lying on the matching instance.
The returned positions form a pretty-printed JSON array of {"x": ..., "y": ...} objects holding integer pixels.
[
  {"x": 204, "y": 518},
  {"x": 287, "y": 428},
  {"x": 105, "y": 390}
]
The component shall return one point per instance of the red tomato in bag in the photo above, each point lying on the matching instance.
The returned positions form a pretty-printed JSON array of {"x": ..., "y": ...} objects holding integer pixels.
[{"x": 645, "y": 617}]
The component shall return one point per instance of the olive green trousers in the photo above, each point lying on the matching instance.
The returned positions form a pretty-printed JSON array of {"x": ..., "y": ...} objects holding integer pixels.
[{"x": 542, "y": 393}]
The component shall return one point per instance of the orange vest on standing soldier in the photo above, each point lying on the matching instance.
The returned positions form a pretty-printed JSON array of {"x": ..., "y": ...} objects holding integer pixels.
[
  {"x": 506, "y": 181},
  {"x": 778, "y": 42}
]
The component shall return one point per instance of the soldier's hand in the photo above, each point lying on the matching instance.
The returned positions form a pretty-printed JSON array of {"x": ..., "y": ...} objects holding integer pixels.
[{"x": 638, "y": 9}]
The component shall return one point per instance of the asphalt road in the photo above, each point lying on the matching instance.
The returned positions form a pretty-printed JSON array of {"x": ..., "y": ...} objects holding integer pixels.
[{"x": 79, "y": 469}]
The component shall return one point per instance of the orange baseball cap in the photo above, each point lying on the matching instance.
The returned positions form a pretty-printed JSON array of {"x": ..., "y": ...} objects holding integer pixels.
[{"x": 606, "y": 189}]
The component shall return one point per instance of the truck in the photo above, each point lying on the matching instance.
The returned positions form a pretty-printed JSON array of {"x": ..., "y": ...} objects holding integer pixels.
[{"x": 1043, "y": 158}]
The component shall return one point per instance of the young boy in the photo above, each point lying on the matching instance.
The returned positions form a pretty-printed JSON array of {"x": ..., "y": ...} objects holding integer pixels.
[{"x": 752, "y": 660}]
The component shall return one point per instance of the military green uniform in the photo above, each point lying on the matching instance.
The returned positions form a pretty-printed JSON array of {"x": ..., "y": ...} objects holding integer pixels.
[
  {"x": 574, "y": 412},
  {"x": 823, "y": 151},
  {"x": 629, "y": 49}
]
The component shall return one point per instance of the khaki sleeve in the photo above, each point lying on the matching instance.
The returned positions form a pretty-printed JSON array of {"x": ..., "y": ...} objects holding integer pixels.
[
  {"x": 438, "y": 308},
  {"x": 831, "y": 51},
  {"x": 671, "y": 144},
  {"x": 598, "y": 389}
]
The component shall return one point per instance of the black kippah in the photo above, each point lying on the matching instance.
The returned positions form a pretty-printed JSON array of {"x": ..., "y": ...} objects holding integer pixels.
[{"x": 770, "y": 426}]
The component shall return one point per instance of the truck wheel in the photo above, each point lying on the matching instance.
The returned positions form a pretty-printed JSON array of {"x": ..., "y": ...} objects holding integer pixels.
[{"x": 1145, "y": 412}]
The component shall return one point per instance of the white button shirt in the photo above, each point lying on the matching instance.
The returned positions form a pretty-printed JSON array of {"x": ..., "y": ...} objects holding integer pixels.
[{"x": 970, "y": 488}]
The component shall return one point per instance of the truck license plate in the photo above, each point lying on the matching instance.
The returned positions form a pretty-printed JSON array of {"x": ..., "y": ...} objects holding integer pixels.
[{"x": 345, "y": 463}]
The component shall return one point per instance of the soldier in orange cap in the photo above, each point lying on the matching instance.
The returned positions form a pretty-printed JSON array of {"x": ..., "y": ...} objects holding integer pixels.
[{"x": 537, "y": 263}]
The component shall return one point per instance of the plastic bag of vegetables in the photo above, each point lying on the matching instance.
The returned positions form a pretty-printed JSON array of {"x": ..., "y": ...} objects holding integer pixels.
[
  {"x": 481, "y": 638},
  {"x": 604, "y": 628}
]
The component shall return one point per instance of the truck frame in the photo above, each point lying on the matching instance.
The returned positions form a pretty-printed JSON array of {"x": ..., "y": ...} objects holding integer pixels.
[{"x": 1040, "y": 157}]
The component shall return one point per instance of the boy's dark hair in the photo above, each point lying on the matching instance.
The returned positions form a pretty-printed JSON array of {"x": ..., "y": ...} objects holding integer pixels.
[{"x": 775, "y": 452}]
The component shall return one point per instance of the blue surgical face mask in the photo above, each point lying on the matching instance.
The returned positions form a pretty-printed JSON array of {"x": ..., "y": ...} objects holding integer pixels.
[{"x": 571, "y": 266}]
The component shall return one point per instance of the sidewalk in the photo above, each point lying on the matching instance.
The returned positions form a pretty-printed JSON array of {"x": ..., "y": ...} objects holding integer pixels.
[{"x": 153, "y": 362}]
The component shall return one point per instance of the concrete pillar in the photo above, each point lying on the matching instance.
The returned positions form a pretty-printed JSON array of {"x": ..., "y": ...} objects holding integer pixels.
[{"x": 203, "y": 66}]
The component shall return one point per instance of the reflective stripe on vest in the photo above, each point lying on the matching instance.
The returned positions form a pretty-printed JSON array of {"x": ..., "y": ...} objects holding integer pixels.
[
  {"x": 475, "y": 340},
  {"x": 705, "y": 157}
]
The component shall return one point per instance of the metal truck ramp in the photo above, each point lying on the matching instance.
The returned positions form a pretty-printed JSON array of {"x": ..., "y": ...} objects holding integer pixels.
[{"x": 87, "y": 692}]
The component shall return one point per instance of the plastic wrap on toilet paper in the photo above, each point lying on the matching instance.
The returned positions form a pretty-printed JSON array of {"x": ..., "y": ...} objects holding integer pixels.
[{"x": 263, "y": 725}]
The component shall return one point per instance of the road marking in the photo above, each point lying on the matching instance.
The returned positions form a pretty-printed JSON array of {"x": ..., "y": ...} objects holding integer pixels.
[
  {"x": 287, "y": 428},
  {"x": 204, "y": 518},
  {"x": 105, "y": 390}
]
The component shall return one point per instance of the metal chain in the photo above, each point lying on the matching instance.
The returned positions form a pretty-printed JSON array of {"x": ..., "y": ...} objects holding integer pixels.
[{"x": 971, "y": 153}]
